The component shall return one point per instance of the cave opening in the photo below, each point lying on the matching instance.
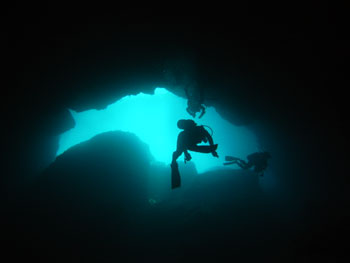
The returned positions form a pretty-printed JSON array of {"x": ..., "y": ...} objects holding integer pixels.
[{"x": 153, "y": 119}]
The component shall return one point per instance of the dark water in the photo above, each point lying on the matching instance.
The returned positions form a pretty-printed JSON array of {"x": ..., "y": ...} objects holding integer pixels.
[{"x": 105, "y": 200}]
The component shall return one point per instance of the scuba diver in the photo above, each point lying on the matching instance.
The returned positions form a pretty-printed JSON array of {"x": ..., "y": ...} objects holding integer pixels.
[
  {"x": 257, "y": 159},
  {"x": 188, "y": 139},
  {"x": 194, "y": 104}
]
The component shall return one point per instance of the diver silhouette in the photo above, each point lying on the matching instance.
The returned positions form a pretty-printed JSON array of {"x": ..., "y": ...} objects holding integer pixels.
[
  {"x": 187, "y": 140},
  {"x": 257, "y": 159},
  {"x": 194, "y": 103}
]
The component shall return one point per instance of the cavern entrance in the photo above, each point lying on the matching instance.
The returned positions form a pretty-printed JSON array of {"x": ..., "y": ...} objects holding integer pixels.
[{"x": 153, "y": 119}]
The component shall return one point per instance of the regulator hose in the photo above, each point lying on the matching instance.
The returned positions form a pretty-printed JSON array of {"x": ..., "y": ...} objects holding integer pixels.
[{"x": 212, "y": 132}]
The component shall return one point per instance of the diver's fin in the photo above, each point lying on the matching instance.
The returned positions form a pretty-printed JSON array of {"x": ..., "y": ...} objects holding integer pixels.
[{"x": 175, "y": 176}]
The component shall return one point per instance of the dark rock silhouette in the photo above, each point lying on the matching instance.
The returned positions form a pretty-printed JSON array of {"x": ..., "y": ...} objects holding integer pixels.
[
  {"x": 94, "y": 203},
  {"x": 89, "y": 194}
]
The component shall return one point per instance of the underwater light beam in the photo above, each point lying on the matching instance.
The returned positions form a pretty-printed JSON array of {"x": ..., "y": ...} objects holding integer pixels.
[{"x": 153, "y": 119}]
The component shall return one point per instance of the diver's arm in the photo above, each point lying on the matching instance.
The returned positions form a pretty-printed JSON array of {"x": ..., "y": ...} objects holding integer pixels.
[
  {"x": 188, "y": 156},
  {"x": 203, "y": 111},
  {"x": 208, "y": 136},
  {"x": 211, "y": 142},
  {"x": 191, "y": 113}
]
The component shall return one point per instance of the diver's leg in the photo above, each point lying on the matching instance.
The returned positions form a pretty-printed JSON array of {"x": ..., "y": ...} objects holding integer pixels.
[
  {"x": 228, "y": 163},
  {"x": 176, "y": 155},
  {"x": 175, "y": 174},
  {"x": 180, "y": 147},
  {"x": 203, "y": 148},
  {"x": 244, "y": 164},
  {"x": 230, "y": 158}
]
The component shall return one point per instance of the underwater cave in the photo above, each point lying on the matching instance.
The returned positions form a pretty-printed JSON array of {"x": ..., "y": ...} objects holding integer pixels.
[
  {"x": 153, "y": 119},
  {"x": 92, "y": 128}
]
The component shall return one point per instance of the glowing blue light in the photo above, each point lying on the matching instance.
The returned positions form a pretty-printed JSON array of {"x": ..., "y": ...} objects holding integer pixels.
[{"x": 153, "y": 119}]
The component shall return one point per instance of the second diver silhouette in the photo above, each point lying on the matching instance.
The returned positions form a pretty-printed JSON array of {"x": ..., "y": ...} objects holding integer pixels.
[
  {"x": 195, "y": 102},
  {"x": 258, "y": 160},
  {"x": 187, "y": 140}
]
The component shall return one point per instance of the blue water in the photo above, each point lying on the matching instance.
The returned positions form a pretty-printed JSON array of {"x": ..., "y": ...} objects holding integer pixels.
[{"x": 153, "y": 119}]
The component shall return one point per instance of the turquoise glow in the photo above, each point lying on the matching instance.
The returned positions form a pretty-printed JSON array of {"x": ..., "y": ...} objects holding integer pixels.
[{"x": 153, "y": 119}]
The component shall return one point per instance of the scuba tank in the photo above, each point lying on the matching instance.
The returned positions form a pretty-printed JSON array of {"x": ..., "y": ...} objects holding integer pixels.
[{"x": 189, "y": 125}]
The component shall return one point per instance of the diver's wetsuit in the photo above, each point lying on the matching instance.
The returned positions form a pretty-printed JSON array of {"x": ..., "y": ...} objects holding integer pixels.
[
  {"x": 258, "y": 160},
  {"x": 194, "y": 104},
  {"x": 188, "y": 140}
]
